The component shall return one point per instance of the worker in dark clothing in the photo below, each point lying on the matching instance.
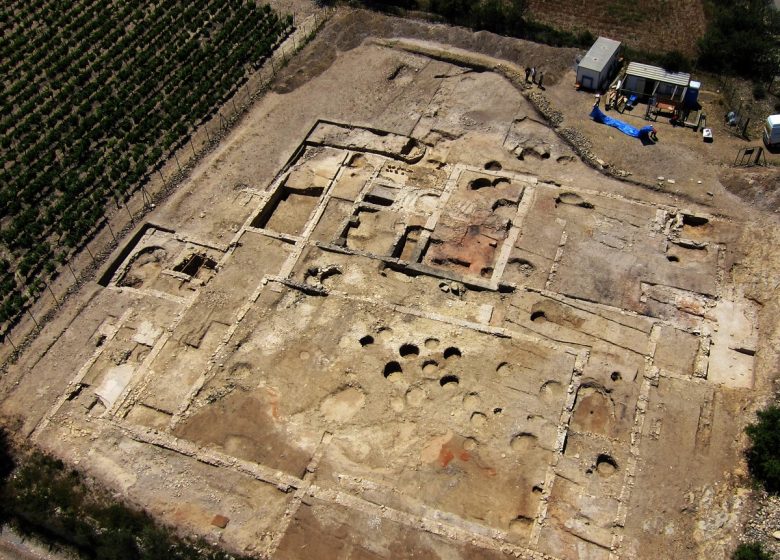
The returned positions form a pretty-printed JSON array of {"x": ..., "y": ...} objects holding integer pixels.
[
  {"x": 541, "y": 77},
  {"x": 527, "y": 73}
]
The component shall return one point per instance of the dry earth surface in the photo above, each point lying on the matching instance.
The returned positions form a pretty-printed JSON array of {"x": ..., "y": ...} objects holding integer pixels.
[
  {"x": 395, "y": 315},
  {"x": 652, "y": 25}
]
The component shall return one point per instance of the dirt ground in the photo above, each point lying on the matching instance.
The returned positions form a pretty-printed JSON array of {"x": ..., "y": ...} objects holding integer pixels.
[
  {"x": 394, "y": 315},
  {"x": 652, "y": 25}
]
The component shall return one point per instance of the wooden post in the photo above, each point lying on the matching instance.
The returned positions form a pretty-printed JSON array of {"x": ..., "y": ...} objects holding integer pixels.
[
  {"x": 57, "y": 303},
  {"x": 67, "y": 263},
  {"x": 111, "y": 231},
  {"x": 33, "y": 318},
  {"x": 8, "y": 336},
  {"x": 177, "y": 160},
  {"x": 193, "y": 148}
]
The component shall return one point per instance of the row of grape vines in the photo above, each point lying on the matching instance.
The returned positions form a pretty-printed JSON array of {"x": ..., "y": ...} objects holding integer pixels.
[{"x": 96, "y": 94}]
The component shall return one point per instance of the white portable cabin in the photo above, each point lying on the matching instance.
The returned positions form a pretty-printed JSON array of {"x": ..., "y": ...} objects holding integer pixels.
[
  {"x": 647, "y": 81},
  {"x": 772, "y": 131},
  {"x": 597, "y": 67}
]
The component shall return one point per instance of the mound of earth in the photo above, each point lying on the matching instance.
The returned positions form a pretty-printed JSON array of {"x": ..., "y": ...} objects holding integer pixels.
[{"x": 756, "y": 185}]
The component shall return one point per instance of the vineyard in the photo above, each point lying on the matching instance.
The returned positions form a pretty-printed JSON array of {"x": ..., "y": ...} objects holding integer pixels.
[{"x": 96, "y": 95}]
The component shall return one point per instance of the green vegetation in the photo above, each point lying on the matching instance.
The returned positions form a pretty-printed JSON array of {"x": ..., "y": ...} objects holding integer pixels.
[
  {"x": 44, "y": 498},
  {"x": 505, "y": 17},
  {"x": 752, "y": 551},
  {"x": 499, "y": 16},
  {"x": 627, "y": 11},
  {"x": 759, "y": 91},
  {"x": 763, "y": 456},
  {"x": 742, "y": 39},
  {"x": 675, "y": 61},
  {"x": 96, "y": 94}
]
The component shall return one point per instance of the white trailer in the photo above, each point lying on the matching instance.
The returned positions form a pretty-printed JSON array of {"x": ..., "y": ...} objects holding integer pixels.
[
  {"x": 772, "y": 131},
  {"x": 597, "y": 67}
]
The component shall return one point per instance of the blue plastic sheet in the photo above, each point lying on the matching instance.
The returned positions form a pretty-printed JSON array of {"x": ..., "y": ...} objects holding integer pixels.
[{"x": 597, "y": 115}]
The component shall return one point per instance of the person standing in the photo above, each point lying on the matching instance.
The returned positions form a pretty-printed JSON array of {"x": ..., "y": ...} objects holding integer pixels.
[
  {"x": 527, "y": 73},
  {"x": 533, "y": 74},
  {"x": 541, "y": 77}
]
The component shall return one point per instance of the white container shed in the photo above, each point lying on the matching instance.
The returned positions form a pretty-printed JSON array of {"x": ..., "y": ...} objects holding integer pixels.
[
  {"x": 597, "y": 67},
  {"x": 646, "y": 81}
]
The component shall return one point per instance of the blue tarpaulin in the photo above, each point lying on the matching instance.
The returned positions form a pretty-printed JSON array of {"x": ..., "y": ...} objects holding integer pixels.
[{"x": 597, "y": 115}]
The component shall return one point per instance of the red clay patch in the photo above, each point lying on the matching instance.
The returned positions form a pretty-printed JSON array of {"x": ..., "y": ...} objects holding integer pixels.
[{"x": 445, "y": 456}]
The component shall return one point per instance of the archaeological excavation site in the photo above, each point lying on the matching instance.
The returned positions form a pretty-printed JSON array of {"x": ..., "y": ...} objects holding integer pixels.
[{"x": 394, "y": 314}]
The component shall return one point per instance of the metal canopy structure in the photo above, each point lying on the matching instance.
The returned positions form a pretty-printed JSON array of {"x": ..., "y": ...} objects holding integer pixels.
[
  {"x": 657, "y": 74},
  {"x": 657, "y": 84}
]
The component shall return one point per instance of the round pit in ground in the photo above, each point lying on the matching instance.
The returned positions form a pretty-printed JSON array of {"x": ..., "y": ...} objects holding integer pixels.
[
  {"x": 449, "y": 381},
  {"x": 431, "y": 343},
  {"x": 523, "y": 441}
]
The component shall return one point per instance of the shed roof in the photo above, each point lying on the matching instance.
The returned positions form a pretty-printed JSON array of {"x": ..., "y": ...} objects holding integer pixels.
[
  {"x": 600, "y": 54},
  {"x": 657, "y": 74}
]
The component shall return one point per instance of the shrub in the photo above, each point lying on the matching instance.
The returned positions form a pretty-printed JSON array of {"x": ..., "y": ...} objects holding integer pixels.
[
  {"x": 585, "y": 39},
  {"x": 6, "y": 467},
  {"x": 763, "y": 456},
  {"x": 675, "y": 61},
  {"x": 55, "y": 503},
  {"x": 750, "y": 551},
  {"x": 759, "y": 91},
  {"x": 6, "y": 459}
]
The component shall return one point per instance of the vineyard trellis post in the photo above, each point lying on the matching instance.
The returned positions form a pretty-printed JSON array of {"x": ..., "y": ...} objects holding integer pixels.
[
  {"x": 111, "y": 231},
  {"x": 129, "y": 213},
  {"x": 29, "y": 312},
  {"x": 56, "y": 302},
  {"x": 75, "y": 278}
]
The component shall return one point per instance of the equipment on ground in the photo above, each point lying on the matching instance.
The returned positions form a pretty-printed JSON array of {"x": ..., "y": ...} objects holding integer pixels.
[{"x": 597, "y": 115}]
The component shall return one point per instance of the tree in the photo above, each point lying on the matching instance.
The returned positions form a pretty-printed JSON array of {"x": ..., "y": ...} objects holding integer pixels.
[
  {"x": 7, "y": 465},
  {"x": 750, "y": 551},
  {"x": 763, "y": 456},
  {"x": 742, "y": 39}
]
